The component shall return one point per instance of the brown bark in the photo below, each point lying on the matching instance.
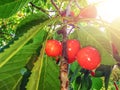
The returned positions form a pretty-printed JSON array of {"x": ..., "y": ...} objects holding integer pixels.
[
  {"x": 64, "y": 74},
  {"x": 64, "y": 63}
]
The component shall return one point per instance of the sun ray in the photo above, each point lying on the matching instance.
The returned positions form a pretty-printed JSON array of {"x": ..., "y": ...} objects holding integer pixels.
[{"x": 107, "y": 9}]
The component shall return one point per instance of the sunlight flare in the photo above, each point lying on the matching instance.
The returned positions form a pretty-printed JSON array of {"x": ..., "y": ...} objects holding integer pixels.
[{"x": 108, "y": 9}]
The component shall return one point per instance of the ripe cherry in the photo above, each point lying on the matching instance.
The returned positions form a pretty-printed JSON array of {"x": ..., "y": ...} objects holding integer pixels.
[
  {"x": 88, "y": 58},
  {"x": 63, "y": 14},
  {"x": 88, "y": 12},
  {"x": 73, "y": 47},
  {"x": 53, "y": 48}
]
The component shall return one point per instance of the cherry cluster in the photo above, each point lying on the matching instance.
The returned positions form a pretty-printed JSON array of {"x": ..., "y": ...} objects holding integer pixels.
[{"x": 87, "y": 57}]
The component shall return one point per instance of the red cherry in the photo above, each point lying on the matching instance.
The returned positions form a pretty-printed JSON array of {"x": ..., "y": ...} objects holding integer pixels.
[
  {"x": 53, "y": 48},
  {"x": 88, "y": 58},
  {"x": 63, "y": 13},
  {"x": 72, "y": 14},
  {"x": 88, "y": 12},
  {"x": 73, "y": 47}
]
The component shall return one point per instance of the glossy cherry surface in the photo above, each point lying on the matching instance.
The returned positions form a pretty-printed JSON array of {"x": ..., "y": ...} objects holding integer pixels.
[
  {"x": 53, "y": 48},
  {"x": 73, "y": 47},
  {"x": 88, "y": 58}
]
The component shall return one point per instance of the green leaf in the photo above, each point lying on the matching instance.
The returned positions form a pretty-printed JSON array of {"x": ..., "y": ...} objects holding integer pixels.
[
  {"x": 77, "y": 83},
  {"x": 29, "y": 22},
  {"x": 25, "y": 25},
  {"x": 82, "y": 80},
  {"x": 44, "y": 75},
  {"x": 11, "y": 76},
  {"x": 50, "y": 75},
  {"x": 86, "y": 83},
  {"x": 74, "y": 66},
  {"x": 92, "y": 36},
  {"x": 10, "y": 7},
  {"x": 14, "y": 58},
  {"x": 97, "y": 83},
  {"x": 74, "y": 71},
  {"x": 104, "y": 71},
  {"x": 18, "y": 44},
  {"x": 10, "y": 52}
]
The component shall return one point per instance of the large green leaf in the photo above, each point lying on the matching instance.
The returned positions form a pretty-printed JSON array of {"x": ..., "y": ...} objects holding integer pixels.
[
  {"x": 45, "y": 74},
  {"x": 14, "y": 58},
  {"x": 10, "y": 52},
  {"x": 18, "y": 54},
  {"x": 11, "y": 76},
  {"x": 26, "y": 24},
  {"x": 18, "y": 44},
  {"x": 92, "y": 36},
  {"x": 29, "y": 22},
  {"x": 41, "y": 77},
  {"x": 10, "y": 7},
  {"x": 50, "y": 75}
]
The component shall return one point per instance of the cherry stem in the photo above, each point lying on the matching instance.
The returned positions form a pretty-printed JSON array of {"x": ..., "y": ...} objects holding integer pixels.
[{"x": 116, "y": 85}]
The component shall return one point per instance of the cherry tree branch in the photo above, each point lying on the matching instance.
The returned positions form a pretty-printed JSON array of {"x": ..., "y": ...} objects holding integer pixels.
[{"x": 64, "y": 60}]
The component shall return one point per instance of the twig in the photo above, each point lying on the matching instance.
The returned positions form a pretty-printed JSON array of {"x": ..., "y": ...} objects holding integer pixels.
[
  {"x": 56, "y": 7},
  {"x": 72, "y": 26},
  {"x": 39, "y": 8},
  {"x": 116, "y": 85}
]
